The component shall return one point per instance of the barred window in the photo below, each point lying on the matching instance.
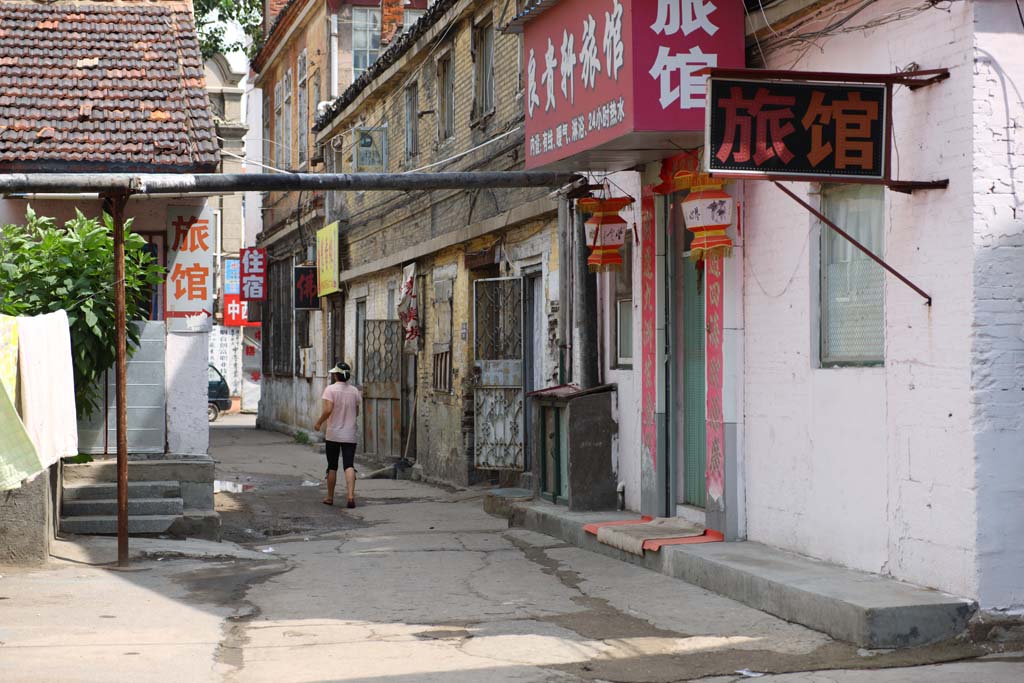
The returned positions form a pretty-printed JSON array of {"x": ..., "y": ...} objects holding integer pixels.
[
  {"x": 445, "y": 98},
  {"x": 281, "y": 317},
  {"x": 852, "y": 285},
  {"x": 442, "y": 356}
]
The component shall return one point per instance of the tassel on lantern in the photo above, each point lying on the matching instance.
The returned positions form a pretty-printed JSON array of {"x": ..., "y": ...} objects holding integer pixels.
[{"x": 606, "y": 231}]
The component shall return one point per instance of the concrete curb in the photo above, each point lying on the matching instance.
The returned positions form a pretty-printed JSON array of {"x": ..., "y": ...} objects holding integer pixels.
[{"x": 868, "y": 610}]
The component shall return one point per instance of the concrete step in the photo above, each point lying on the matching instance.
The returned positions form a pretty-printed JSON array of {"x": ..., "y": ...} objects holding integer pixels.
[
  {"x": 107, "y": 524},
  {"x": 105, "y": 471},
  {"x": 136, "y": 489},
  {"x": 136, "y": 507},
  {"x": 501, "y": 502},
  {"x": 869, "y": 610}
]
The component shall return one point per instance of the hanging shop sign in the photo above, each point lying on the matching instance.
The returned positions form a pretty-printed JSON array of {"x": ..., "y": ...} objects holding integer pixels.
[
  {"x": 602, "y": 76},
  {"x": 327, "y": 260},
  {"x": 253, "y": 273},
  {"x": 370, "y": 150},
  {"x": 305, "y": 296},
  {"x": 190, "y": 277},
  {"x": 606, "y": 231},
  {"x": 798, "y": 129},
  {"x": 236, "y": 312}
]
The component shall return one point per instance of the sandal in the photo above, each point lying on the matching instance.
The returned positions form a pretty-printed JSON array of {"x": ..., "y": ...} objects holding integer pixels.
[
  {"x": 327, "y": 501},
  {"x": 351, "y": 503}
]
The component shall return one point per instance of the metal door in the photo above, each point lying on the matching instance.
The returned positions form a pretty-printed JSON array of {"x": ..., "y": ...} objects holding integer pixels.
[
  {"x": 498, "y": 396},
  {"x": 382, "y": 391},
  {"x": 146, "y": 399}
]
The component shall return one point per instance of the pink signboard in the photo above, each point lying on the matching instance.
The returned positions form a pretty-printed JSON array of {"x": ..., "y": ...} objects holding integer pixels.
[
  {"x": 599, "y": 70},
  {"x": 714, "y": 356},
  {"x": 648, "y": 323}
]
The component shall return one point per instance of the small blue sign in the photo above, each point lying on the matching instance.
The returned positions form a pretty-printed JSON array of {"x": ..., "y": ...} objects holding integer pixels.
[{"x": 232, "y": 276}]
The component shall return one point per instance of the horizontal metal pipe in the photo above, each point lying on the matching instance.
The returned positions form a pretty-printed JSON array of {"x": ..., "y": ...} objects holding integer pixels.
[{"x": 214, "y": 183}]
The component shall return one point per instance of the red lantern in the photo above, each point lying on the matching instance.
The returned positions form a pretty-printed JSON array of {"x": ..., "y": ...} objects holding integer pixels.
[
  {"x": 606, "y": 231},
  {"x": 708, "y": 211}
]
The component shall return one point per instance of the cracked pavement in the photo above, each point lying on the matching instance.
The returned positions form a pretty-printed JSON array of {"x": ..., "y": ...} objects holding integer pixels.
[{"x": 416, "y": 584}]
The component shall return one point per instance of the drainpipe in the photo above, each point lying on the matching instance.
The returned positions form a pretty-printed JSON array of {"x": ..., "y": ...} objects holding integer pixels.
[{"x": 334, "y": 57}]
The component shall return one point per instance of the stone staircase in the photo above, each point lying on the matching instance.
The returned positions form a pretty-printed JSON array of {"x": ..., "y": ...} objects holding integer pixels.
[
  {"x": 153, "y": 507},
  {"x": 170, "y": 496}
]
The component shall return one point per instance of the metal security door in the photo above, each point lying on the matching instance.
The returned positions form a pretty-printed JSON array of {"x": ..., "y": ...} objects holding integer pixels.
[
  {"x": 382, "y": 390},
  {"x": 498, "y": 397}
]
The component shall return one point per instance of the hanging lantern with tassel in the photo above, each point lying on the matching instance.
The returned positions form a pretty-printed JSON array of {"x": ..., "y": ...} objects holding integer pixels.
[
  {"x": 708, "y": 211},
  {"x": 606, "y": 231}
]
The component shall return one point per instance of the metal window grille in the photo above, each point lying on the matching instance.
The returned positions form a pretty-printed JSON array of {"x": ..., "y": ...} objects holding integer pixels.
[
  {"x": 304, "y": 123},
  {"x": 443, "y": 371},
  {"x": 382, "y": 348},
  {"x": 499, "y": 331},
  {"x": 852, "y": 285},
  {"x": 412, "y": 117},
  {"x": 281, "y": 312},
  {"x": 623, "y": 280}
]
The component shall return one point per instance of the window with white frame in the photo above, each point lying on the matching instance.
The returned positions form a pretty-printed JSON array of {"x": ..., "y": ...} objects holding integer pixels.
[
  {"x": 622, "y": 290},
  {"x": 268, "y": 141},
  {"x": 279, "y": 124},
  {"x": 852, "y": 285},
  {"x": 410, "y": 17},
  {"x": 445, "y": 97},
  {"x": 365, "y": 39},
  {"x": 412, "y": 118},
  {"x": 303, "y": 132},
  {"x": 483, "y": 65},
  {"x": 288, "y": 140}
]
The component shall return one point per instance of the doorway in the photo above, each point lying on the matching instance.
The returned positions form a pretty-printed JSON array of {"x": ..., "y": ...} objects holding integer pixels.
[
  {"x": 689, "y": 430},
  {"x": 533, "y": 353}
]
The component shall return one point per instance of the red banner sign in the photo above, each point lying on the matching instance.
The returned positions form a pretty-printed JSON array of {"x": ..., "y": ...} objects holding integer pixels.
[
  {"x": 254, "y": 274},
  {"x": 714, "y": 359},
  {"x": 648, "y": 324},
  {"x": 598, "y": 70},
  {"x": 236, "y": 312}
]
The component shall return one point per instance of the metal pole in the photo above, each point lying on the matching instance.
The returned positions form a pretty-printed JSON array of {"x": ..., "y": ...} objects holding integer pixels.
[
  {"x": 215, "y": 183},
  {"x": 117, "y": 204},
  {"x": 845, "y": 235}
]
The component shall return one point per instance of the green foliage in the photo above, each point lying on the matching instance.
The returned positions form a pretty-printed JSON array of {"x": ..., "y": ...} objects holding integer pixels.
[
  {"x": 212, "y": 18},
  {"x": 44, "y": 269},
  {"x": 302, "y": 438}
]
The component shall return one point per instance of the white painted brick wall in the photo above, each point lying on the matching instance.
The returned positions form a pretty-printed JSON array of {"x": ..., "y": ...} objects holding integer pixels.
[
  {"x": 997, "y": 371},
  {"x": 873, "y": 467}
]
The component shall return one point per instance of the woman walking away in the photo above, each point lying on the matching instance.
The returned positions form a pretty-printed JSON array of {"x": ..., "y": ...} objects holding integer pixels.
[{"x": 340, "y": 410}]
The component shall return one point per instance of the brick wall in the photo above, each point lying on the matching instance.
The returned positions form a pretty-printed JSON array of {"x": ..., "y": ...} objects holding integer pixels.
[
  {"x": 872, "y": 467},
  {"x": 997, "y": 370}
]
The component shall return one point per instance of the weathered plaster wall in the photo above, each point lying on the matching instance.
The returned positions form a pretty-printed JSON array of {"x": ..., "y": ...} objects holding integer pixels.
[
  {"x": 997, "y": 371},
  {"x": 872, "y": 468},
  {"x": 25, "y": 523},
  {"x": 188, "y": 430}
]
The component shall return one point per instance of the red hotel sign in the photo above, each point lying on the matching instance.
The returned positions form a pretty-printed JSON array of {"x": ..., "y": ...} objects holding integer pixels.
[{"x": 599, "y": 70}]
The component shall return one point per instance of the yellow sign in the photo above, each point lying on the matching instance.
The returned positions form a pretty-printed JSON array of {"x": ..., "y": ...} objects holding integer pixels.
[{"x": 327, "y": 260}]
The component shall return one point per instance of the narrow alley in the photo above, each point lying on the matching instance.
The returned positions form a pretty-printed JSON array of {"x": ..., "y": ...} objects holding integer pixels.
[{"x": 415, "y": 584}]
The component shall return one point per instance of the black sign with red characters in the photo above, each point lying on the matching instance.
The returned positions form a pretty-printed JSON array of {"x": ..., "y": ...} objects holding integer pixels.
[
  {"x": 306, "y": 298},
  {"x": 784, "y": 128}
]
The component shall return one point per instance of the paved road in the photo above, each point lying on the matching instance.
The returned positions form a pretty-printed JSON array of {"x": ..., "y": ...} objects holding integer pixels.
[{"x": 416, "y": 584}]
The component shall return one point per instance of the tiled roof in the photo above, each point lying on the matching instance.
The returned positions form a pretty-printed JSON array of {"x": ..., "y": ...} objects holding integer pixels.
[{"x": 113, "y": 87}]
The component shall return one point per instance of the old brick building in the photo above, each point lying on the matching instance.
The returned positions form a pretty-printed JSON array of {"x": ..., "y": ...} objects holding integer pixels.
[{"x": 444, "y": 96}]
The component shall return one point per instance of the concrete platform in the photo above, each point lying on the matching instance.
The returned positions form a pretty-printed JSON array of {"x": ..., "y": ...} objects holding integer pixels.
[{"x": 868, "y": 610}]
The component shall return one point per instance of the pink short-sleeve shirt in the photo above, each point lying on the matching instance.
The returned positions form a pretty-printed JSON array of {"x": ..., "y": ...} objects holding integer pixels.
[{"x": 341, "y": 425}]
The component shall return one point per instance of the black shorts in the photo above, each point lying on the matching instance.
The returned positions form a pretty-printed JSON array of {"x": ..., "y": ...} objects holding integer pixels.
[{"x": 347, "y": 452}]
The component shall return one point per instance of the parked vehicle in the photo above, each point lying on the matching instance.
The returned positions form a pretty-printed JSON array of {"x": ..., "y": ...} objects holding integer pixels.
[{"x": 218, "y": 394}]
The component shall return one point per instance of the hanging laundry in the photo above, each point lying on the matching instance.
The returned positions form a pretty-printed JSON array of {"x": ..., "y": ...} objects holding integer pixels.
[
  {"x": 18, "y": 457},
  {"x": 9, "y": 354},
  {"x": 47, "y": 385}
]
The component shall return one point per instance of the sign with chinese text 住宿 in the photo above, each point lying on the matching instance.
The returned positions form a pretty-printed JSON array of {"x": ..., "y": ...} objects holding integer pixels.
[
  {"x": 305, "y": 289},
  {"x": 599, "y": 74},
  {"x": 236, "y": 312},
  {"x": 253, "y": 274},
  {"x": 786, "y": 128},
  {"x": 190, "y": 278},
  {"x": 327, "y": 259}
]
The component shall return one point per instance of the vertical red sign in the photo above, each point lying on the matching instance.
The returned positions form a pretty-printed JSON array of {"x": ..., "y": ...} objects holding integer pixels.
[
  {"x": 714, "y": 359},
  {"x": 254, "y": 274},
  {"x": 648, "y": 322},
  {"x": 236, "y": 312}
]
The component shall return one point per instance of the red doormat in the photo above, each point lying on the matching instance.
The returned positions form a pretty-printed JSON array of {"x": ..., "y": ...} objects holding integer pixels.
[{"x": 637, "y": 544}]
